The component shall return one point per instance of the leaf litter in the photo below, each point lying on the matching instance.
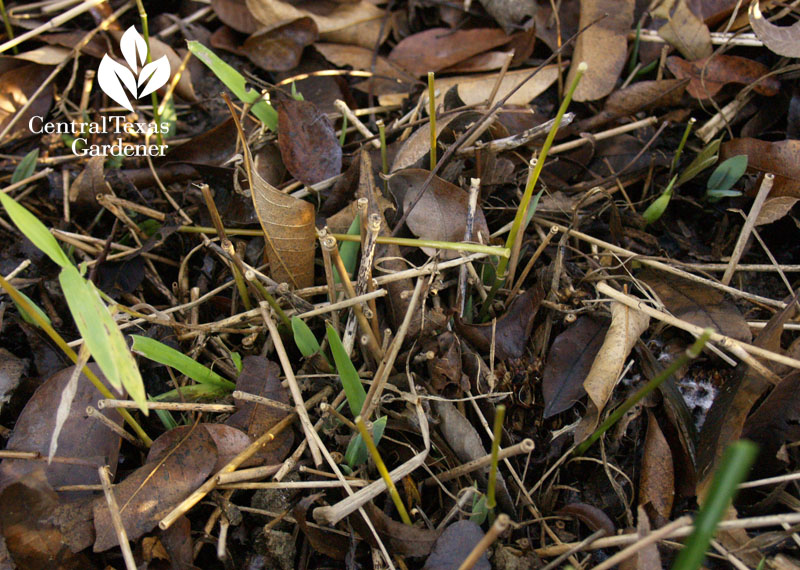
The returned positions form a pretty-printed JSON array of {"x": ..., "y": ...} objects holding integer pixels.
[{"x": 407, "y": 324}]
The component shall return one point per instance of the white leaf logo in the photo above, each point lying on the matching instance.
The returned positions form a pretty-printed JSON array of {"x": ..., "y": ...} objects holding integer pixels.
[{"x": 114, "y": 78}]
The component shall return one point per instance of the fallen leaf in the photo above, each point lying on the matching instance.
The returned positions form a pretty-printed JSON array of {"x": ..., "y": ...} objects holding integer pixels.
[
  {"x": 647, "y": 557},
  {"x": 177, "y": 541},
  {"x": 774, "y": 209},
  {"x": 441, "y": 213},
  {"x": 46, "y": 55},
  {"x": 357, "y": 23},
  {"x": 82, "y": 438},
  {"x": 645, "y": 96},
  {"x": 11, "y": 371},
  {"x": 401, "y": 539},
  {"x": 657, "y": 479},
  {"x": 418, "y": 146},
  {"x": 712, "y": 11},
  {"x": 307, "y": 141},
  {"x": 154, "y": 489},
  {"x": 627, "y": 325},
  {"x": 591, "y": 516},
  {"x": 512, "y": 329},
  {"x": 390, "y": 77},
  {"x": 328, "y": 543},
  {"x": 229, "y": 440},
  {"x": 236, "y": 14},
  {"x": 454, "y": 545},
  {"x": 17, "y": 86},
  {"x": 438, "y": 48},
  {"x": 486, "y": 61},
  {"x": 279, "y": 49},
  {"x": 707, "y": 76},
  {"x": 259, "y": 376},
  {"x": 511, "y": 14},
  {"x": 603, "y": 46},
  {"x": 783, "y": 40},
  {"x": 781, "y": 158},
  {"x": 445, "y": 367},
  {"x": 698, "y": 304},
  {"x": 683, "y": 30},
  {"x": 568, "y": 362},
  {"x": 35, "y": 543}
]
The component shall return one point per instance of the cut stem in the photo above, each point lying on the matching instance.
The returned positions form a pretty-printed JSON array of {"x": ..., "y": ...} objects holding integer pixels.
[{"x": 376, "y": 457}]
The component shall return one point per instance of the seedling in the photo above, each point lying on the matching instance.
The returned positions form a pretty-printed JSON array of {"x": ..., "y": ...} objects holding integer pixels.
[
  {"x": 26, "y": 166},
  {"x": 724, "y": 177},
  {"x": 163, "y": 354}
]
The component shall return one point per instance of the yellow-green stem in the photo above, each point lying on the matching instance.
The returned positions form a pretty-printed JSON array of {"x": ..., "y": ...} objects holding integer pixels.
[
  {"x": 518, "y": 227},
  {"x": 376, "y": 457},
  {"x": 432, "y": 115},
  {"x": 7, "y": 23},
  {"x": 343, "y": 134},
  {"x": 384, "y": 158},
  {"x": 22, "y": 302},
  {"x": 269, "y": 299},
  {"x": 499, "y": 416},
  {"x": 149, "y": 59},
  {"x": 241, "y": 287},
  {"x": 678, "y": 152}
]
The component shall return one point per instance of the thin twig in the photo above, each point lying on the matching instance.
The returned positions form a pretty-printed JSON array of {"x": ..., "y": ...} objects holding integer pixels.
[
  {"x": 116, "y": 519},
  {"x": 747, "y": 228}
]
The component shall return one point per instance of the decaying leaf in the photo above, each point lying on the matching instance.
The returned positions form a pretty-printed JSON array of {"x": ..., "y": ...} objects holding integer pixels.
[
  {"x": 418, "y": 146},
  {"x": 438, "y": 48},
  {"x": 154, "y": 489},
  {"x": 441, "y": 213},
  {"x": 236, "y": 14},
  {"x": 328, "y": 543},
  {"x": 454, "y": 545},
  {"x": 82, "y": 437},
  {"x": 17, "y": 86},
  {"x": 511, "y": 14},
  {"x": 683, "y": 30},
  {"x": 707, "y": 76},
  {"x": 229, "y": 441},
  {"x": 280, "y": 49},
  {"x": 698, "y": 304},
  {"x": 390, "y": 77},
  {"x": 775, "y": 208},
  {"x": 401, "y": 539},
  {"x": 307, "y": 141},
  {"x": 11, "y": 371},
  {"x": 590, "y": 515},
  {"x": 647, "y": 557},
  {"x": 568, "y": 362},
  {"x": 782, "y": 40},
  {"x": 475, "y": 89},
  {"x": 626, "y": 327},
  {"x": 781, "y": 158},
  {"x": 603, "y": 46},
  {"x": 512, "y": 329},
  {"x": 657, "y": 480}
]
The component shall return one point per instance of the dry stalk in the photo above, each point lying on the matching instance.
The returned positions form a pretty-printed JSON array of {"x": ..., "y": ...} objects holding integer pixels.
[
  {"x": 113, "y": 426},
  {"x": 116, "y": 519},
  {"x": 525, "y": 446},
  {"x": 654, "y": 536},
  {"x": 499, "y": 526},
  {"x": 747, "y": 228}
]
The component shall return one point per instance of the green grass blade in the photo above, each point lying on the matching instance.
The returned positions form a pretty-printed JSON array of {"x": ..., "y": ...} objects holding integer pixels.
[
  {"x": 348, "y": 250},
  {"x": 353, "y": 388},
  {"x": 101, "y": 335},
  {"x": 304, "y": 338},
  {"x": 24, "y": 314},
  {"x": 234, "y": 81},
  {"x": 703, "y": 160},
  {"x": 35, "y": 231},
  {"x": 26, "y": 166},
  {"x": 357, "y": 453},
  {"x": 727, "y": 173},
  {"x": 163, "y": 354},
  {"x": 736, "y": 462}
]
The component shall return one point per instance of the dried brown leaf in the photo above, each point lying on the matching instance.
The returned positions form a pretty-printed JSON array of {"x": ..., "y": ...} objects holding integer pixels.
[
  {"x": 153, "y": 490},
  {"x": 708, "y": 75},
  {"x": 512, "y": 329},
  {"x": 511, "y": 14},
  {"x": 475, "y": 89},
  {"x": 568, "y": 362},
  {"x": 774, "y": 209},
  {"x": 603, "y": 46},
  {"x": 683, "y": 30},
  {"x": 644, "y": 96},
  {"x": 782, "y": 40},
  {"x": 229, "y": 441},
  {"x": 236, "y": 14},
  {"x": 280, "y": 49},
  {"x": 17, "y": 86},
  {"x": 647, "y": 557},
  {"x": 657, "y": 480},
  {"x": 401, "y": 539},
  {"x": 307, "y": 141},
  {"x": 391, "y": 77},
  {"x": 781, "y": 158},
  {"x": 591, "y": 516},
  {"x": 454, "y": 545},
  {"x": 82, "y": 437},
  {"x": 328, "y": 543},
  {"x": 441, "y": 213}
]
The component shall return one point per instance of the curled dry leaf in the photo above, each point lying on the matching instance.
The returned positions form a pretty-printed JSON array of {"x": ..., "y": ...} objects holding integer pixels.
[
  {"x": 454, "y": 545},
  {"x": 328, "y": 543},
  {"x": 153, "y": 490},
  {"x": 512, "y": 329},
  {"x": 683, "y": 30},
  {"x": 603, "y": 46},
  {"x": 782, "y": 40},
  {"x": 357, "y": 23},
  {"x": 627, "y": 325},
  {"x": 82, "y": 437},
  {"x": 568, "y": 362},
  {"x": 781, "y": 158},
  {"x": 708, "y": 75},
  {"x": 591, "y": 516},
  {"x": 657, "y": 480},
  {"x": 438, "y": 48},
  {"x": 441, "y": 213},
  {"x": 698, "y": 304},
  {"x": 279, "y": 49},
  {"x": 774, "y": 209},
  {"x": 259, "y": 376},
  {"x": 401, "y": 539},
  {"x": 307, "y": 141}
]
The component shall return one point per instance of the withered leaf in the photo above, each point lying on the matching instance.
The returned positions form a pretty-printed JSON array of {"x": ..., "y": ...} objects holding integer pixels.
[
  {"x": 603, "y": 46},
  {"x": 590, "y": 515},
  {"x": 454, "y": 545},
  {"x": 708, "y": 75},
  {"x": 627, "y": 325},
  {"x": 307, "y": 141},
  {"x": 511, "y": 331},
  {"x": 568, "y": 362},
  {"x": 259, "y": 376},
  {"x": 647, "y": 557},
  {"x": 657, "y": 480},
  {"x": 33, "y": 542},
  {"x": 683, "y": 30},
  {"x": 441, "y": 213},
  {"x": 510, "y": 14},
  {"x": 82, "y": 438},
  {"x": 390, "y": 77},
  {"x": 400, "y": 538},
  {"x": 229, "y": 441},
  {"x": 236, "y": 14},
  {"x": 774, "y": 209},
  {"x": 328, "y": 543},
  {"x": 17, "y": 86},
  {"x": 782, "y": 40},
  {"x": 437, "y": 48},
  {"x": 153, "y": 490},
  {"x": 177, "y": 541},
  {"x": 781, "y": 158},
  {"x": 645, "y": 95},
  {"x": 698, "y": 304},
  {"x": 279, "y": 49}
]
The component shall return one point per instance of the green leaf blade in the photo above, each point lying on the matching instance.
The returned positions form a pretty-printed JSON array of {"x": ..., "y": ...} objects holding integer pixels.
[
  {"x": 26, "y": 167},
  {"x": 35, "y": 231},
  {"x": 353, "y": 388},
  {"x": 303, "y": 337},
  {"x": 163, "y": 354}
]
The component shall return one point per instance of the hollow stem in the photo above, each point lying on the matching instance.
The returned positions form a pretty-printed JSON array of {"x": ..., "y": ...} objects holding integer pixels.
[{"x": 376, "y": 457}]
